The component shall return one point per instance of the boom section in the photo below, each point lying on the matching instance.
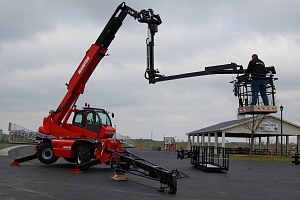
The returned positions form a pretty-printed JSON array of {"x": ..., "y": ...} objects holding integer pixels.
[{"x": 97, "y": 51}]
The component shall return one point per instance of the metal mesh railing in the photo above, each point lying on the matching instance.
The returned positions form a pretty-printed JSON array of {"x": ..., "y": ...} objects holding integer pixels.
[
  {"x": 125, "y": 140},
  {"x": 19, "y": 134},
  {"x": 210, "y": 157}
]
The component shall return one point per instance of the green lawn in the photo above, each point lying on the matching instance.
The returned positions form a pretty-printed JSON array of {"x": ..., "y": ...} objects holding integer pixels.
[{"x": 283, "y": 159}]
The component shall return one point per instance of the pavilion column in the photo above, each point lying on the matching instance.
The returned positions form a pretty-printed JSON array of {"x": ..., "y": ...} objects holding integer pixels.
[
  {"x": 268, "y": 142},
  {"x": 198, "y": 135},
  {"x": 189, "y": 143},
  {"x": 216, "y": 139},
  {"x": 193, "y": 140},
  {"x": 298, "y": 143},
  {"x": 277, "y": 137},
  {"x": 287, "y": 144},
  {"x": 259, "y": 142},
  {"x": 208, "y": 139},
  {"x": 223, "y": 139},
  {"x": 203, "y": 139}
]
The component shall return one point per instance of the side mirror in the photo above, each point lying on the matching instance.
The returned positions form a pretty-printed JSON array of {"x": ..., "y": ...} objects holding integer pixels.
[{"x": 112, "y": 115}]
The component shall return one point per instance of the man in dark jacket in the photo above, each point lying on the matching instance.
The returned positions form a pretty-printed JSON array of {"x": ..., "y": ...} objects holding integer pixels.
[{"x": 258, "y": 71}]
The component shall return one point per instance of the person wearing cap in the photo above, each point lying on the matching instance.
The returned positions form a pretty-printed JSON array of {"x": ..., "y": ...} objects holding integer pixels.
[{"x": 258, "y": 71}]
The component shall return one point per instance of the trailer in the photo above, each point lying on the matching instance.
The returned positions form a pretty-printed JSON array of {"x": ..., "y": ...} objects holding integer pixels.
[{"x": 210, "y": 158}]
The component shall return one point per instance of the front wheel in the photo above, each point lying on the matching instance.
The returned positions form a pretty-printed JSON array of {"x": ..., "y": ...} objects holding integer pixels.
[
  {"x": 173, "y": 185},
  {"x": 45, "y": 154}
]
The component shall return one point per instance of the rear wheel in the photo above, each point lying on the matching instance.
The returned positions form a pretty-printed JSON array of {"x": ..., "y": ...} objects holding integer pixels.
[
  {"x": 45, "y": 154},
  {"x": 83, "y": 155}
]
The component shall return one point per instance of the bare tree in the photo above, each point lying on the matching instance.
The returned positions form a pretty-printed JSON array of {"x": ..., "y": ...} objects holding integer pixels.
[{"x": 253, "y": 127}]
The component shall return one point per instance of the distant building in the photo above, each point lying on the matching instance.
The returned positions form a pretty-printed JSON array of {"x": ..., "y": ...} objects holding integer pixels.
[{"x": 169, "y": 142}]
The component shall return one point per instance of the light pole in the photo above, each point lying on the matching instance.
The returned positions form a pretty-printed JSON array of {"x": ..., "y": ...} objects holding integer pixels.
[{"x": 281, "y": 109}]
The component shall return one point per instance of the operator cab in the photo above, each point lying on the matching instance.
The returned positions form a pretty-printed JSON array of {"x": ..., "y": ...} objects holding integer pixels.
[
  {"x": 92, "y": 119},
  {"x": 242, "y": 90}
]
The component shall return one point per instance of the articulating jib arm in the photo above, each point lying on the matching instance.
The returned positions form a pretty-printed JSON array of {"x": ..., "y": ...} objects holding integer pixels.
[{"x": 154, "y": 76}]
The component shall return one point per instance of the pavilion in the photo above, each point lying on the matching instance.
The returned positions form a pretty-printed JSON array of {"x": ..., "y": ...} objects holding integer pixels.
[{"x": 269, "y": 126}]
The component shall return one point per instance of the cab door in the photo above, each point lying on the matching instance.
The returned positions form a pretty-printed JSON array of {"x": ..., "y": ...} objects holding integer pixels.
[
  {"x": 88, "y": 120},
  {"x": 93, "y": 122},
  {"x": 80, "y": 119}
]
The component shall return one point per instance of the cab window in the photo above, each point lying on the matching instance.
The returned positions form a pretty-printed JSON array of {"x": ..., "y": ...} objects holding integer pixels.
[
  {"x": 105, "y": 120},
  {"x": 78, "y": 118},
  {"x": 93, "y": 119}
]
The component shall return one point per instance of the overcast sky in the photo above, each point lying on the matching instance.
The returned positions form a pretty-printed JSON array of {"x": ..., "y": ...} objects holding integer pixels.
[{"x": 42, "y": 43}]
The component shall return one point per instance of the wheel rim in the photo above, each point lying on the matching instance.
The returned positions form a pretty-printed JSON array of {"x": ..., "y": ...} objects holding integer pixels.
[
  {"x": 47, "y": 153},
  {"x": 79, "y": 159}
]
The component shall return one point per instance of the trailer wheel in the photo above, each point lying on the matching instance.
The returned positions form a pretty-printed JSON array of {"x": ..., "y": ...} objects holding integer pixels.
[
  {"x": 45, "y": 154},
  {"x": 173, "y": 185},
  {"x": 83, "y": 155}
]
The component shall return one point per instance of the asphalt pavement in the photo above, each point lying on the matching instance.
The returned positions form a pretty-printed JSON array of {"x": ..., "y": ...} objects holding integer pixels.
[{"x": 244, "y": 180}]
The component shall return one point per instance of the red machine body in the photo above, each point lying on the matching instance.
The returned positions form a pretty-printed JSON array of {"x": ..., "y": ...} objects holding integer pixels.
[
  {"x": 90, "y": 135},
  {"x": 87, "y": 124}
]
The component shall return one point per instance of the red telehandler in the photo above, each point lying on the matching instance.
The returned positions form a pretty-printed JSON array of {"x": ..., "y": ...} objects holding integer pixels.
[{"x": 88, "y": 140}]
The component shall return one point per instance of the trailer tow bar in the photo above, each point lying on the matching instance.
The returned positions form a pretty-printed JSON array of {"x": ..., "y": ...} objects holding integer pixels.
[{"x": 130, "y": 163}]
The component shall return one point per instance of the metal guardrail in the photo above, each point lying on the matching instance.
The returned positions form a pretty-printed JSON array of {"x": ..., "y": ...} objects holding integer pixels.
[
  {"x": 19, "y": 134},
  {"x": 125, "y": 140}
]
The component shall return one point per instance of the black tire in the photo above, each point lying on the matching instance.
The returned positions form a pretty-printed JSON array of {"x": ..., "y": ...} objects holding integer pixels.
[
  {"x": 83, "y": 155},
  {"x": 45, "y": 154},
  {"x": 173, "y": 185}
]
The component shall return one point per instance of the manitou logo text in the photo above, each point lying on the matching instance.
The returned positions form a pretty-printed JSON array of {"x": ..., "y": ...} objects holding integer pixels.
[{"x": 83, "y": 64}]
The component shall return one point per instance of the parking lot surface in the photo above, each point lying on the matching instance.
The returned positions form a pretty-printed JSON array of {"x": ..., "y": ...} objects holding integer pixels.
[{"x": 244, "y": 180}]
